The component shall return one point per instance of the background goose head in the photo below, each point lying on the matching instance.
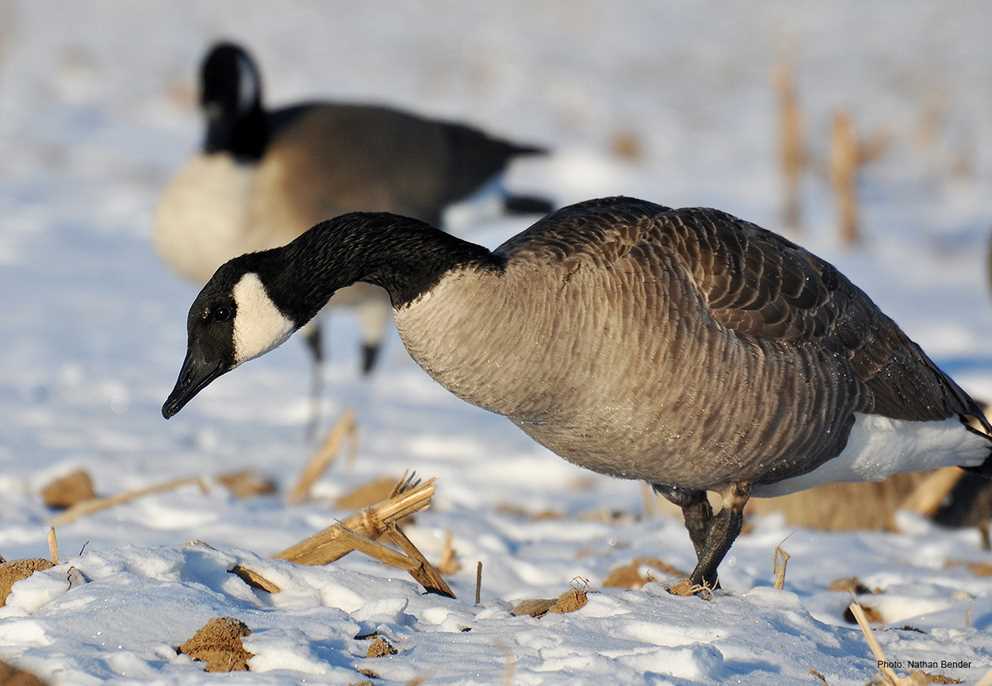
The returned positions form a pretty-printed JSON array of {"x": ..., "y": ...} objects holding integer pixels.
[
  {"x": 231, "y": 101},
  {"x": 255, "y": 302}
]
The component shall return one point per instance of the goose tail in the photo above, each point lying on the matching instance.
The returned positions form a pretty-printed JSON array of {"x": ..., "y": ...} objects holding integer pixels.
[
  {"x": 979, "y": 425},
  {"x": 984, "y": 469}
]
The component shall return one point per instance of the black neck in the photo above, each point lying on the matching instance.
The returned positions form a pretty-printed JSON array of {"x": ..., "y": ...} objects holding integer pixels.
[
  {"x": 244, "y": 135},
  {"x": 404, "y": 256}
]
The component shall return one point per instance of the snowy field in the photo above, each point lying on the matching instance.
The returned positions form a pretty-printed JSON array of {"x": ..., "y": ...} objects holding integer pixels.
[{"x": 96, "y": 113}]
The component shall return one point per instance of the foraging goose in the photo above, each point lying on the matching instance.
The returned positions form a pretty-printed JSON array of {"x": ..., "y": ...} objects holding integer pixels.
[
  {"x": 684, "y": 347},
  {"x": 264, "y": 176}
]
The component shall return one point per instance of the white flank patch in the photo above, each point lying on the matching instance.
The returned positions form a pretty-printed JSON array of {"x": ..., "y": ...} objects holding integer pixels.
[
  {"x": 259, "y": 326},
  {"x": 879, "y": 447}
]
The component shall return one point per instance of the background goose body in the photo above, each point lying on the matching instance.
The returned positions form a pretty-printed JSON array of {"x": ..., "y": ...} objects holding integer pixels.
[
  {"x": 683, "y": 347},
  {"x": 263, "y": 177},
  {"x": 327, "y": 159},
  {"x": 201, "y": 218}
]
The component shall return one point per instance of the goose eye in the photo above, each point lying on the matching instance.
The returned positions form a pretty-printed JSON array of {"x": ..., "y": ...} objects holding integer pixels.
[{"x": 221, "y": 313}]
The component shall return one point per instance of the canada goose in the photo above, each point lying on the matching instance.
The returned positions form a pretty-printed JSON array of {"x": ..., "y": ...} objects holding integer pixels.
[
  {"x": 684, "y": 347},
  {"x": 263, "y": 176}
]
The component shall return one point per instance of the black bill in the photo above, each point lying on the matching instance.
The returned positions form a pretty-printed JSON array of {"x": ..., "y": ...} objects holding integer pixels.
[{"x": 195, "y": 375}]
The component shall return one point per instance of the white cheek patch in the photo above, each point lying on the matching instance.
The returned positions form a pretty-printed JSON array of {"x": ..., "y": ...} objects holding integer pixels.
[{"x": 259, "y": 326}]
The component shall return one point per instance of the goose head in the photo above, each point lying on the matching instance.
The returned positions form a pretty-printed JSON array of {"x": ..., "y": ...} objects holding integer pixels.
[
  {"x": 231, "y": 102},
  {"x": 255, "y": 302},
  {"x": 233, "y": 319}
]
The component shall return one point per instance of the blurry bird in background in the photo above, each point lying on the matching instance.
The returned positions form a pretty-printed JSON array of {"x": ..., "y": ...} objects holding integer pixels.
[{"x": 262, "y": 177}]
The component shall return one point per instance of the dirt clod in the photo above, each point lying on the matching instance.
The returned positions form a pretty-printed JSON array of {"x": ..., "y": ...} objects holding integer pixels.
[
  {"x": 569, "y": 601},
  {"x": 17, "y": 570},
  {"x": 218, "y": 644},
  {"x": 380, "y": 647},
  {"x": 12, "y": 676},
  {"x": 630, "y": 575},
  {"x": 976, "y": 568},
  {"x": 66, "y": 491},
  {"x": 685, "y": 587},
  {"x": 851, "y": 584},
  {"x": 627, "y": 145},
  {"x": 872, "y": 614},
  {"x": 247, "y": 484}
]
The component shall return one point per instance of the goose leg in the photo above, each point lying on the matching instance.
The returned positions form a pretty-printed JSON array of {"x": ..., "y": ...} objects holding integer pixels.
[
  {"x": 313, "y": 339},
  {"x": 696, "y": 511},
  {"x": 723, "y": 531},
  {"x": 370, "y": 355}
]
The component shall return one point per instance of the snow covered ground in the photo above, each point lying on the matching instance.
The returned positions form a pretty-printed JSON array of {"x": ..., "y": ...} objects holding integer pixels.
[{"x": 95, "y": 113}]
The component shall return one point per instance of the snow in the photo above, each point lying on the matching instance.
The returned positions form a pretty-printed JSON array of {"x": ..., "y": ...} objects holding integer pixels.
[{"x": 96, "y": 114}]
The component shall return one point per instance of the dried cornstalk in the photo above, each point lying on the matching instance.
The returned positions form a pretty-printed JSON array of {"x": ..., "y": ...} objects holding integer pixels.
[
  {"x": 426, "y": 574},
  {"x": 449, "y": 563},
  {"x": 344, "y": 428},
  {"x": 367, "y": 494},
  {"x": 246, "y": 483},
  {"x": 411, "y": 560},
  {"x": 888, "y": 675},
  {"x": 478, "y": 582},
  {"x": 359, "y": 531},
  {"x": 53, "y": 546},
  {"x": 844, "y": 162},
  {"x": 873, "y": 148},
  {"x": 781, "y": 564},
  {"x": 927, "y": 497},
  {"x": 88, "y": 507},
  {"x": 931, "y": 121},
  {"x": 792, "y": 155},
  {"x": 380, "y": 552},
  {"x": 254, "y": 579},
  {"x": 329, "y": 544}
]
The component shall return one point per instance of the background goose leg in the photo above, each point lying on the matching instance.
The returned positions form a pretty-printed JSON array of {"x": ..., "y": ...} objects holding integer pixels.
[{"x": 313, "y": 339}]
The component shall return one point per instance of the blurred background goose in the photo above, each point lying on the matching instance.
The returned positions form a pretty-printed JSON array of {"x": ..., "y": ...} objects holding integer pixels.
[
  {"x": 264, "y": 176},
  {"x": 682, "y": 347}
]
